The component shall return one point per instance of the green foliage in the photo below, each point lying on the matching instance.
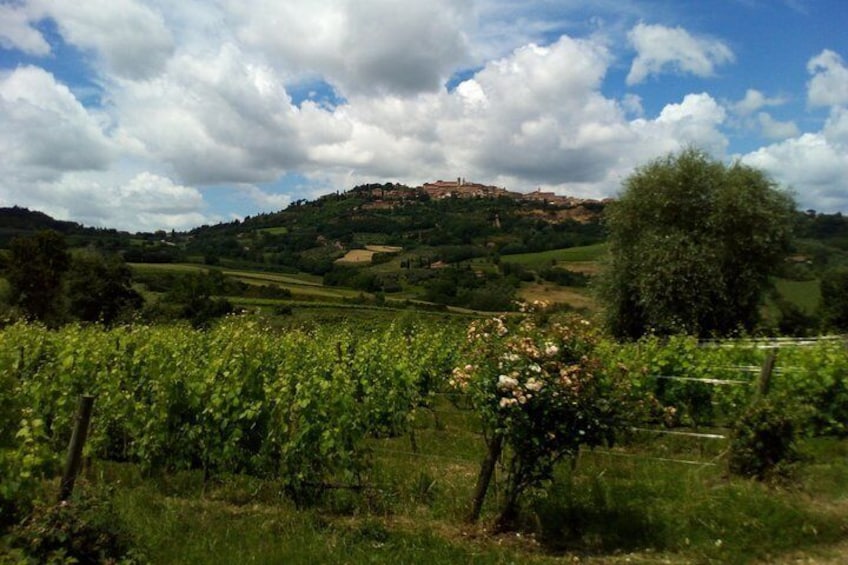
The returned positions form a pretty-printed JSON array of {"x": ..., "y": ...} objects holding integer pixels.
[
  {"x": 84, "y": 529},
  {"x": 516, "y": 271},
  {"x": 816, "y": 381},
  {"x": 763, "y": 441},
  {"x": 236, "y": 398},
  {"x": 834, "y": 291},
  {"x": 692, "y": 243},
  {"x": 35, "y": 271},
  {"x": 458, "y": 286},
  {"x": 542, "y": 391},
  {"x": 597, "y": 517},
  {"x": 261, "y": 411},
  {"x": 194, "y": 293},
  {"x": 653, "y": 365},
  {"x": 100, "y": 288},
  {"x": 22, "y": 467},
  {"x": 793, "y": 320},
  {"x": 564, "y": 277}
]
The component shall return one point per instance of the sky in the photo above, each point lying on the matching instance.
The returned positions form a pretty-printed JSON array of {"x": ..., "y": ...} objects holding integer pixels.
[{"x": 154, "y": 114}]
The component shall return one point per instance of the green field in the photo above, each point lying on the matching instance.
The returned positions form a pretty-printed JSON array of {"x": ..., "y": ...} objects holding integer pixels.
[
  {"x": 279, "y": 230},
  {"x": 568, "y": 255},
  {"x": 168, "y": 267},
  {"x": 270, "y": 278},
  {"x": 804, "y": 294}
]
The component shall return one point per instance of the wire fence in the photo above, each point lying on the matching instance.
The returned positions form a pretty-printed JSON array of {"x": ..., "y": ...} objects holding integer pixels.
[
  {"x": 772, "y": 342},
  {"x": 459, "y": 407}
]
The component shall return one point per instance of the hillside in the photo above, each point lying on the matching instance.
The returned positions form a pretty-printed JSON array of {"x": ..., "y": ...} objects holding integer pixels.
[
  {"x": 310, "y": 236},
  {"x": 449, "y": 243}
]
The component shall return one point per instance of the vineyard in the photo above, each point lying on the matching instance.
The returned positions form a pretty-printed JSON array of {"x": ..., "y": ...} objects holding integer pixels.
[{"x": 354, "y": 413}]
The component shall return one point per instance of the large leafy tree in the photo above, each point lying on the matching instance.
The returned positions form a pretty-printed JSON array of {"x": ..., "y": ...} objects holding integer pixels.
[
  {"x": 692, "y": 244},
  {"x": 834, "y": 293},
  {"x": 100, "y": 288},
  {"x": 35, "y": 272}
]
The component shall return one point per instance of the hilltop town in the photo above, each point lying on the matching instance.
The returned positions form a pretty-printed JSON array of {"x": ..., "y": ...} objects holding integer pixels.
[
  {"x": 391, "y": 196},
  {"x": 460, "y": 188}
]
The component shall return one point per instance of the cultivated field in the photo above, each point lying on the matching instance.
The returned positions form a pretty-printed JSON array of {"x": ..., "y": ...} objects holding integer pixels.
[{"x": 347, "y": 443}]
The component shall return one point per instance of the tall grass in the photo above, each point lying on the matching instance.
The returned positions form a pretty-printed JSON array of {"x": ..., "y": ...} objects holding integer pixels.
[{"x": 612, "y": 507}]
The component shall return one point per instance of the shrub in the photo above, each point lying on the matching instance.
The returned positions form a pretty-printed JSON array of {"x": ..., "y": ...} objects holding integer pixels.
[
  {"x": 541, "y": 394},
  {"x": 85, "y": 529},
  {"x": 763, "y": 441}
]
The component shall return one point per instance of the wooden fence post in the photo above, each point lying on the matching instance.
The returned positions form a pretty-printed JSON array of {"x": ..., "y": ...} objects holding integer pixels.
[
  {"x": 78, "y": 437},
  {"x": 764, "y": 382},
  {"x": 485, "y": 476}
]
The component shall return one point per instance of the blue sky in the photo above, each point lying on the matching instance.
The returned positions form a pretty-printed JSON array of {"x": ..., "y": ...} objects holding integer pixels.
[{"x": 149, "y": 114}]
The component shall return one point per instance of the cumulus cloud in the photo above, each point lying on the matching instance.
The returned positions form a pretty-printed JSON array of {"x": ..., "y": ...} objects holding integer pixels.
[
  {"x": 695, "y": 121},
  {"x": 218, "y": 118},
  {"x": 44, "y": 130},
  {"x": 755, "y": 100},
  {"x": 660, "y": 48},
  {"x": 141, "y": 202},
  {"x": 814, "y": 165},
  {"x": 387, "y": 46},
  {"x": 829, "y": 85},
  {"x": 535, "y": 114},
  {"x": 16, "y": 32},
  {"x": 775, "y": 129},
  {"x": 130, "y": 37},
  {"x": 835, "y": 130},
  {"x": 207, "y": 106},
  {"x": 534, "y": 118},
  {"x": 545, "y": 118}
]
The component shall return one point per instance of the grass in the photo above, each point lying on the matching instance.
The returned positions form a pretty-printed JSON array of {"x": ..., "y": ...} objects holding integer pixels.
[
  {"x": 577, "y": 298},
  {"x": 357, "y": 257},
  {"x": 587, "y": 253},
  {"x": 279, "y": 230},
  {"x": 804, "y": 294},
  {"x": 270, "y": 278},
  {"x": 635, "y": 503},
  {"x": 258, "y": 276},
  {"x": 168, "y": 267},
  {"x": 611, "y": 509}
]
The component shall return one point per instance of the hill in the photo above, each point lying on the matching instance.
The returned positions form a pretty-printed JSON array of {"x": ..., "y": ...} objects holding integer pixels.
[
  {"x": 311, "y": 236},
  {"x": 451, "y": 243},
  {"x": 16, "y": 222}
]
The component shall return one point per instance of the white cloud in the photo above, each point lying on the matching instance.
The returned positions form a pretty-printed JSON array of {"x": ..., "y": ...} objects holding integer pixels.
[
  {"x": 265, "y": 200},
  {"x": 534, "y": 118},
  {"x": 660, "y": 48},
  {"x": 57, "y": 158},
  {"x": 209, "y": 104},
  {"x": 44, "y": 130},
  {"x": 214, "y": 118},
  {"x": 775, "y": 129},
  {"x": 379, "y": 46},
  {"x": 16, "y": 32},
  {"x": 755, "y": 100},
  {"x": 128, "y": 36},
  {"x": 695, "y": 122},
  {"x": 140, "y": 202},
  {"x": 829, "y": 85},
  {"x": 835, "y": 130},
  {"x": 814, "y": 165},
  {"x": 633, "y": 104}
]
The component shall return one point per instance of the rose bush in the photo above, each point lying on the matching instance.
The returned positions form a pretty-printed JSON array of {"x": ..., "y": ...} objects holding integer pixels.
[{"x": 541, "y": 394}]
